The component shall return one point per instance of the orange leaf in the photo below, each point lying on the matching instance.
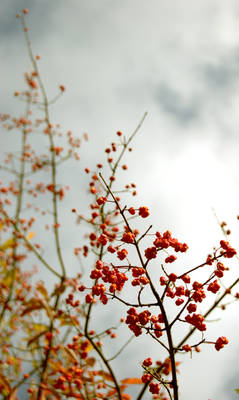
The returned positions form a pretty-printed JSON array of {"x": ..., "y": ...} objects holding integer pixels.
[
  {"x": 59, "y": 290},
  {"x": 45, "y": 392},
  {"x": 57, "y": 366},
  {"x": 12, "y": 395},
  {"x": 106, "y": 375},
  {"x": 41, "y": 288},
  {"x": 132, "y": 381},
  {"x": 30, "y": 235},
  {"x": 126, "y": 396},
  {"x": 4, "y": 381},
  {"x": 90, "y": 361},
  {"x": 36, "y": 337},
  {"x": 75, "y": 395},
  {"x": 32, "y": 305},
  {"x": 47, "y": 308}
]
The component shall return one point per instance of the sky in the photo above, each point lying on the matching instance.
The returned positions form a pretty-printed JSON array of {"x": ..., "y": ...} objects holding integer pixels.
[{"x": 179, "y": 61}]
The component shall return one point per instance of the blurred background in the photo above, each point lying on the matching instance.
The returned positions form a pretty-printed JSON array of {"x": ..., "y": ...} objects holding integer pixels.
[{"x": 180, "y": 62}]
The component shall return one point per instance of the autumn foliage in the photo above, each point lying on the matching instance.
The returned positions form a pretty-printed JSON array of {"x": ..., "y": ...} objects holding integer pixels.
[{"x": 50, "y": 347}]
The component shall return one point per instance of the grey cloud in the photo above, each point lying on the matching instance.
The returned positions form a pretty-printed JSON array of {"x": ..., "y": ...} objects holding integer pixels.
[
  {"x": 183, "y": 110},
  {"x": 213, "y": 85},
  {"x": 223, "y": 74},
  {"x": 40, "y": 13}
]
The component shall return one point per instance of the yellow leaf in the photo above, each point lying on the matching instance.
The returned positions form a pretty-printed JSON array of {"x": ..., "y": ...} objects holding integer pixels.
[
  {"x": 6, "y": 245},
  {"x": 30, "y": 235},
  {"x": 47, "y": 308},
  {"x": 89, "y": 347},
  {"x": 8, "y": 280},
  {"x": 71, "y": 354},
  {"x": 64, "y": 322},
  {"x": 39, "y": 327},
  {"x": 2, "y": 261}
]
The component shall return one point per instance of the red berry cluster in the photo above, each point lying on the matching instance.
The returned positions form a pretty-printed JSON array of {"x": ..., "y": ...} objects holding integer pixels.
[
  {"x": 101, "y": 200},
  {"x": 144, "y": 212},
  {"x": 136, "y": 321},
  {"x": 213, "y": 287},
  {"x": 230, "y": 252},
  {"x": 128, "y": 237},
  {"x": 220, "y": 343},
  {"x": 122, "y": 254},
  {"x": 108, "y": 275},
  {"x": 198, "y": 294},
  {"x": 147, "y": 362},
  {"x": 154, "y": 388},
  {"x": 150, "y": 253},
  {"x": 219, "y": 272},
  {"x": 197, "y": 321},
  {"x": 186, "y": 347},
  {"x": 165, "y": 241}
]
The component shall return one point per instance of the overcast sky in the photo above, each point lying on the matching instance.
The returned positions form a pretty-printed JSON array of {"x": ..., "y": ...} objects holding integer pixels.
[{"x": 178, "y": 60}]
